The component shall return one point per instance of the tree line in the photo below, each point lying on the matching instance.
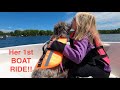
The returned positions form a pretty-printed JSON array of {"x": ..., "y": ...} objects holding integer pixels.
[
  {"x": 28, "y": 33},
  {"x": 48, "y": 32},
  {"x": 115, "y": 31}
]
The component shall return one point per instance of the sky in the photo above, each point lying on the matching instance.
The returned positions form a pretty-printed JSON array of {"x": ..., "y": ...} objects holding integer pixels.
[{"x": 10, "y": 21}]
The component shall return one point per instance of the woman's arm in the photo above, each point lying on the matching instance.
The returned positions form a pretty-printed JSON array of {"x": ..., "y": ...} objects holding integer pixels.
[{"x": 77, "y": 54}]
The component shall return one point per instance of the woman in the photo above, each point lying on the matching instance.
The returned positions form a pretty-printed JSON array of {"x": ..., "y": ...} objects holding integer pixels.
[{"x": 85, "y": 41}]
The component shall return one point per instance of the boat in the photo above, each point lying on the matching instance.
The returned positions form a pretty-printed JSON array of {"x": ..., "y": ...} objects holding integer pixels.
[
  {"x": 3, "y": 37},
  {"x": 112, "y": 48}
]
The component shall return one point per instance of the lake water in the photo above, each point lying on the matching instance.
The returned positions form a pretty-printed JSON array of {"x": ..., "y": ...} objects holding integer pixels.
[{"x": 16, "y": 41}]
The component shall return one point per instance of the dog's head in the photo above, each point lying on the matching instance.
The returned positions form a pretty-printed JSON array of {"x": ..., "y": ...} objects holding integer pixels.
[{"x": 61, "y": 29}]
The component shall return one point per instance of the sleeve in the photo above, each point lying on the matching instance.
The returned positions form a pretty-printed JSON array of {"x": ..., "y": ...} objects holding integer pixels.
[{"x": 78, "y": 53}]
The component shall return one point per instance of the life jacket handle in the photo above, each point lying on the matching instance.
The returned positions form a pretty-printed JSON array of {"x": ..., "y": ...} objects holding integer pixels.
[{"x": 100, "y": 56}]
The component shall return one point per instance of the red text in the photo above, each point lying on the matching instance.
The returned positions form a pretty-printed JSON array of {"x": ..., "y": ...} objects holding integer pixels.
[
  {"x": 20, "y": 60},
  {"x": 21, "y": 68}
]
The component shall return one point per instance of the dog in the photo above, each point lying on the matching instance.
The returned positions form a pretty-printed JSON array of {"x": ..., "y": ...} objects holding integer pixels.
[{"x": 61, "y": 29}]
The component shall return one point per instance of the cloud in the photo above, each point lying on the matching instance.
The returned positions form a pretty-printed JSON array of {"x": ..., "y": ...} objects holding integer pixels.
[
  {"x": 20, "y": 29},
  {"x": 69, "y": 13},
  {"x": 109, "y": 26},
  {"x": 5, "y": 30},
  {"x": 105, "y": 20},
  {"x": 9, "y": 27},
  {"x": 108, "y": 20},
  {"x": 69, "y": 20},
  {"x": 69, "y": 16}
]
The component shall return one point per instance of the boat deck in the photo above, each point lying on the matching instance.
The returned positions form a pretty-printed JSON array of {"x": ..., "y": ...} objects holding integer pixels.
[
  {"x": 114, "y": 55},
  {"x": 5, "y": 59}
]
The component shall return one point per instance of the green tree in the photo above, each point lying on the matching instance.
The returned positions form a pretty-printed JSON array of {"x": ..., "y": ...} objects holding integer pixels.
[
  {"x": 12, "y": 33},
  {"x": 17, "y": 33},
  {"x": 1, "y": 33}
]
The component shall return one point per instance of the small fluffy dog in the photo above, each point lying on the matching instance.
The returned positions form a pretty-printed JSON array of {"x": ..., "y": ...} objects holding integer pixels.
[{"x": 61, "y": 29}]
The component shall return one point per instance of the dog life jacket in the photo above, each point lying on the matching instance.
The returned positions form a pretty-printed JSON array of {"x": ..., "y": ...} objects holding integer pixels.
[{"x": 51, "y": 58}]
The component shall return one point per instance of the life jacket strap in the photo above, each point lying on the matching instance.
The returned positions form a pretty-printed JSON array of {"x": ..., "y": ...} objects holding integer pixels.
[
  {"x": 43, "y": 55},
  {"x": 100, "y": 56},
  {"x": 40, "y": 60},
  {"x": 100, "y": 47},
  {"x": 61, "y": 66},
  {"x": 44, "y": 49}
]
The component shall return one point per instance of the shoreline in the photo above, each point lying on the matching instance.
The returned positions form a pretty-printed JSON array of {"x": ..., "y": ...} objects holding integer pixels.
[{"x": 44, "y": 43}]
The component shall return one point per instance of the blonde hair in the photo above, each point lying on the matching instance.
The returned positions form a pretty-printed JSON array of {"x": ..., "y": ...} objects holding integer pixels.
[{"x": 86, "y": 26}]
